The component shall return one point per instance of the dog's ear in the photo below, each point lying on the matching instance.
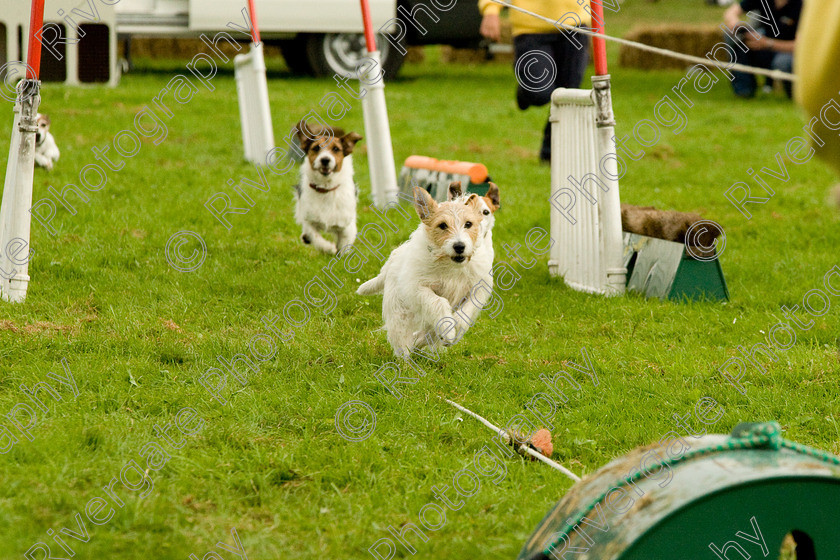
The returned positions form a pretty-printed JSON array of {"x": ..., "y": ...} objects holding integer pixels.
[
  {"x": 424, "y": 203},
  {"x": 493, "y": 195},
  {"x": 305, "y": 137},
  {"x": 474, "y": 201},
  {"x": 348, "y": 142},
  {"x": 454, "y": 190}
]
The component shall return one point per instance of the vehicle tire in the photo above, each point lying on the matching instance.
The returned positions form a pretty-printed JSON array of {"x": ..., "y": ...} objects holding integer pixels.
[
  {"x": 294, "y": 53},
  {"x": 338, "y": 53}
]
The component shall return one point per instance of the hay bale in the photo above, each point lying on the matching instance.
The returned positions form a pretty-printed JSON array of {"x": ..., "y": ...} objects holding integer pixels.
[
  {"x": 696, "y": 40},
  {"x": 415, "y": 55},
  {"x": 185, "y": 49},
  {"x": 451, "y": 55}
]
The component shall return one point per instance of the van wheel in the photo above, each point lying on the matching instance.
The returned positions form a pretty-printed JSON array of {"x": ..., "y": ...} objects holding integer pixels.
[{"x": 338, "y": 53}]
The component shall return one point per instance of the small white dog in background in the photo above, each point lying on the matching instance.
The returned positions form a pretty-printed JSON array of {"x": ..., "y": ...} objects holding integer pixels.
[
  {"x": 46, "y": 150},
  {"x": 429, "y": 275},
  {"x": 326, "y": 198},
  {"x": 490, "y": 202}
]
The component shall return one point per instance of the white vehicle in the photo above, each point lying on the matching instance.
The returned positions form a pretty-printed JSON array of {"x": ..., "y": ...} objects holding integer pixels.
[{"x": 320, "y": 37}]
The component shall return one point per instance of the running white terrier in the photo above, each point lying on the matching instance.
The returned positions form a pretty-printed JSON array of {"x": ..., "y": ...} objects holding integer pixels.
[
  {"x": 445, "y": 261},
  {"x": 325, "y": 199}
]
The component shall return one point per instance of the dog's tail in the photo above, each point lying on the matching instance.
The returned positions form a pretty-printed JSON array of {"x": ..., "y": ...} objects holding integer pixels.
[{"x": 373, "y": 286}]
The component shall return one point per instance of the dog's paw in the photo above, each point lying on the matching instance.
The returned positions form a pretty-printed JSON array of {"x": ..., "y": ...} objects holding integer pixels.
[
  {"x": 422, "y": 339},
  {"x": 447, "y": 343},
  {"x": 449, "y": 338}
]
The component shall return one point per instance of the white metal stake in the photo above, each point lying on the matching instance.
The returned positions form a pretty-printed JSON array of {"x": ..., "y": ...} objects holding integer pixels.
[
  {"x": 383, "y": 175},
  {"x": 608, "y": 170},
  {"x": 15, "y": 219}
]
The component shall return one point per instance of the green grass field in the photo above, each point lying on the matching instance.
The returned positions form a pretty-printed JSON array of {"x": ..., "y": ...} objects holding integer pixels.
[{"x": 137, "y": 334}]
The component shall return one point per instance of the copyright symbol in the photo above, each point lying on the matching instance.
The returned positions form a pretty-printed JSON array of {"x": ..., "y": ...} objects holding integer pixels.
[
  {"x": 177, "y": 260},
  {"x": 535, "y": 71},
  {"x": 358, "y": 429},
  {"x": 11, "y": 72},
  {"x": 705, "y": 240}
]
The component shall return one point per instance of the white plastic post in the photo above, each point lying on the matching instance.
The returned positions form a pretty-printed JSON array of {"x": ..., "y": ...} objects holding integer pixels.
[
  {"x": 383, "y": 175},
  {"x": 15, "y": 219},
  {"x": 254, "y": 110},
  {"x": 585, "y": 213}
]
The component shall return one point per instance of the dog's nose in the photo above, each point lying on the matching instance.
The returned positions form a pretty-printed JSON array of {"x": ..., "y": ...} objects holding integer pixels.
[
  {"x": 459, "y": 247},
  {"x": 325, "y": 161}
]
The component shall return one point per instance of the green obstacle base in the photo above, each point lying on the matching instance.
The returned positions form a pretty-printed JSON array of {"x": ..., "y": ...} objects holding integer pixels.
[
  {"x": 666, "y": 502},
  {"x": 665, "y": 270}
]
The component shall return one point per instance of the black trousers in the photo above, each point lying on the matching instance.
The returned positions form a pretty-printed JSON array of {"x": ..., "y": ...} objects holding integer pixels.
[{"x": 543, "y": 63}]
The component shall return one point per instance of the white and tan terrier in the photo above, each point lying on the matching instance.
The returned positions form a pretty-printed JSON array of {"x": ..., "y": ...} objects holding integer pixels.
[
  {"x": 46, "y": 150},
  {"x": 432, "y": 273},
  {"x": 326, "y": 198}
]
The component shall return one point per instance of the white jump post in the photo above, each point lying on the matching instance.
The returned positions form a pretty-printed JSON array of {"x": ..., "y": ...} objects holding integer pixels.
[
  {"x": 585, "y": 206},
  {"x": 15, "y": 218},
  {"x": 252, "y": 92},
  {"x": 383, "y": 174}
]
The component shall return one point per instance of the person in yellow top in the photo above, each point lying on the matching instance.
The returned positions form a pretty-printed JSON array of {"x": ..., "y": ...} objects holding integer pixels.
[
  {"x": 817, "y": 65},
  {"x": 546, "y": 55}
]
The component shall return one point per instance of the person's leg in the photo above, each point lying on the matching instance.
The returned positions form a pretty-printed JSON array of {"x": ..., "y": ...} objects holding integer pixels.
[
  {"x": 784, "y": 61},
  {"x": 743, "y": 84},
  {"x": 533, "y": 69},
  {"x": 571, "y": 61},
  {"x": 571, "y": 65}
]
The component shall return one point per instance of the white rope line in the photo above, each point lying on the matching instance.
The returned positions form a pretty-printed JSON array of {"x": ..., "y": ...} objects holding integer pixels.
[
  {"x": 479, "y": 418},
  {"x": 523, "y": 448},
  {"x": 775, "y": 74}
]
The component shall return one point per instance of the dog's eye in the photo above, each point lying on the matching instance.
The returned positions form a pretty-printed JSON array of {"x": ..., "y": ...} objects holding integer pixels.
[
  {"x": 486, "y": 212},
  {"x": 468, "y": 225},
  {"x": 335, "y": 149},
  {"x": 316, "y": 149},
  {"x": 443, "y": 225}
]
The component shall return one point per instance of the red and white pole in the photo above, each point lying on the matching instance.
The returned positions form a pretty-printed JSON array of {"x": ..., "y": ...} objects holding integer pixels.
[
  {"x": 15, "y": 219},
  {"x": 605, "y": 126},
  {"x": 254, "y": 26},
  {"x": 599, "y": 45},
  {"x": 36, "y": 21},
  {"x": 383, "y": 176},
  {"x": 252, "y": 93}
]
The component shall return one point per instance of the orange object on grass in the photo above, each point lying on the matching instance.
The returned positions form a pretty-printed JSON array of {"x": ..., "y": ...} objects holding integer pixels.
[
  {"x": 542, "y": 441},
  {"x": 477, "y": 172}
]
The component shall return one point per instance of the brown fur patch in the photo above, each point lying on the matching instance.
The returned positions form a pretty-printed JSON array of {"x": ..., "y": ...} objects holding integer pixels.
[
  {"x": 444, "y": 220},
  {"x": 324, "y": 145},
  {"x": 316, "y": 140},
  {"x": 665, "y": 224},
  {"x": 492, "y": 198}
]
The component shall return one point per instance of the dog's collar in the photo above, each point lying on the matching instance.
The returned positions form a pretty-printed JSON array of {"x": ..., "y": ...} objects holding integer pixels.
[{"x": 321, "y": 190}]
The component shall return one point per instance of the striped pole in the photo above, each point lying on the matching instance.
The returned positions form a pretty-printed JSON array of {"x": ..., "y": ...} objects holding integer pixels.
[
  {"x": 383, "y": 175},
  {"x": 15, "y": 219}
]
